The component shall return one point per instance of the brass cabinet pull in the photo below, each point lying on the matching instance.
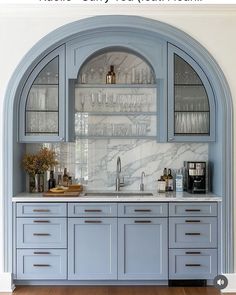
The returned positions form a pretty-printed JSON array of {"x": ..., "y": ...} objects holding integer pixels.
[
  {"x": 192, "y": 252},
  {"x": 142, "y": 221},
  {"x": 192, "y": 221},
  {"x": 46, "y": 253},
  {"x": 92, "y": 210},
  {"x": 192, "y": 210},
  {"x": 92, "y": 221},
  {"x": 41, "y": 234},
  {"x": 41, "y": 210},
  {"x": 192, "y": 265},
  {"x": 142, "y": 210},
  {"x": 41, "y": 265},
  {"x": 192, "y": 234},
  {"x": 41, "y": 221}
]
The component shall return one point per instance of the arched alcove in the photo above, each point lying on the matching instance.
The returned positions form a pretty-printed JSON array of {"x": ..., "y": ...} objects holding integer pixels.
[{"x": 220, "y": 151}]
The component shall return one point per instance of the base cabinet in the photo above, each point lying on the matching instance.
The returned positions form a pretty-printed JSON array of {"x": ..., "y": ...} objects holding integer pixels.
[
  {"x": 92, "y": 249},
  {"x": 142, "y": 249},
  {"x": 192, "y": 264},
  {"x": 116, "y": 242}
]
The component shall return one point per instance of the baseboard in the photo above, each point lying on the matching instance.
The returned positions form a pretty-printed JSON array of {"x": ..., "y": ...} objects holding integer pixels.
[
  {"x": 231, "y": 288},
  {"x": 6, "y": 284}
]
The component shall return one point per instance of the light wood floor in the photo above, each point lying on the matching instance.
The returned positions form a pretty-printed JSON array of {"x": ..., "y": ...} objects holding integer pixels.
[{"x": 112, "y": 290}]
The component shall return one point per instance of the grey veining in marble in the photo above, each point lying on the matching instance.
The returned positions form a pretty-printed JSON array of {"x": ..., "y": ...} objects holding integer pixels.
[{"x": 93, "y": 162}]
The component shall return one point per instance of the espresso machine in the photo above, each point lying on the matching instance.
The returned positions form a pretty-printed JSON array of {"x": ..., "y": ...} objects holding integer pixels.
[{"x": 196, "y": 177}]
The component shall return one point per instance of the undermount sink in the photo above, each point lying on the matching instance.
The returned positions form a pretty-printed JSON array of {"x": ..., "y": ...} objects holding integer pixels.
[{"x": 117, "y": 194}]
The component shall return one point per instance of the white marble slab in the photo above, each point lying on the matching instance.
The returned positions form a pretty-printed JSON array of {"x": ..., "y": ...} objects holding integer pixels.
[
  {"x": 157, "y": 197},
  {"x": 93, "y": 162}
]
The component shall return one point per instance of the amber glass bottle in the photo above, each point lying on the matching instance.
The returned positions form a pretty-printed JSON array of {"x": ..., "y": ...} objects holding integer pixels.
[{"x": 111, "y": 76}]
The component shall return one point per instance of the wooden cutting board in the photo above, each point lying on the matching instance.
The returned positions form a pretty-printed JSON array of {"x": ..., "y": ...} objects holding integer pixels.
[{"x": 64, "y": 194}]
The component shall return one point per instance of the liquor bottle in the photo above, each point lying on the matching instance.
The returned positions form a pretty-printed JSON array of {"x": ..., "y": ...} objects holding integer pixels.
[
  {"x": 111, "y": 76},
  {"x": 65, "y": 178},
  {"x": 170, "y": 182},
  {"x": 51, "y": 181},
  {"x": 165, "y": 177},
  {"x": 161, "y": 185}
]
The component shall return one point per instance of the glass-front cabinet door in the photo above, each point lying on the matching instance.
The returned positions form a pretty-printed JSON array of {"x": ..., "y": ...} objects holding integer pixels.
[
  {"x": 116, "y": 97},
  {"x": 191, "y": 106},
  {"x": 42, "y": 102}
]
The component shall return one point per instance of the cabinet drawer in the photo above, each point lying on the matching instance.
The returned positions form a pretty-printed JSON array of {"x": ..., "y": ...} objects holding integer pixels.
[
  {"x": 192, "y": 264},
  {"x": 41, "y": 233},
  {"x": 42, "y": 264},
  {"x": 193, "y": 209},
  {"x": 193, "y": 232},
  {"x": 143, "y": 210},
  {"x": 92, "y": 210},
  {"x": 41, "y": 210}
]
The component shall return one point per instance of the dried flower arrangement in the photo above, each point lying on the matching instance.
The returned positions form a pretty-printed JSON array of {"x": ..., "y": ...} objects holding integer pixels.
[{"x": 38, "y": 163}]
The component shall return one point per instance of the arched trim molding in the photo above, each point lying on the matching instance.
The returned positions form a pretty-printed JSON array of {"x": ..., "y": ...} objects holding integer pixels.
[{"x": 222, "y": 149}]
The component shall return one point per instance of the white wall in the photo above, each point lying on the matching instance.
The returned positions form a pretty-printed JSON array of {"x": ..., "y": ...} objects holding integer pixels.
[{"x": 22, "y": 26}]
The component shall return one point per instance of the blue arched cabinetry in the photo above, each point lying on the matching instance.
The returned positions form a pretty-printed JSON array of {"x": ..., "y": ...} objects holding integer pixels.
[
  {"x": 112, "y": 31},
  {"x": 173, "y": 121}
]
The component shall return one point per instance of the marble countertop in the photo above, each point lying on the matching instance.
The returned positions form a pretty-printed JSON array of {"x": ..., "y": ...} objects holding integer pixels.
[{"x": 135, "y": 196}]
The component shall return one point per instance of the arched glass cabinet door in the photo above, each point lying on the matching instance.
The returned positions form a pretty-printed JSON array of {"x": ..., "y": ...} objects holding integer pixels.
[
  {"x": 191, "y": 106},
  {"x": 42, "y": 113},
  {"x": 126, "y": 108}
]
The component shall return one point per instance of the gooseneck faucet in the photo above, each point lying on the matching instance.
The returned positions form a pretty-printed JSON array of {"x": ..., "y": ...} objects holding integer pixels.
[
  {"x": 141, "y": 183},
  {"x": 119, "y": 182}
]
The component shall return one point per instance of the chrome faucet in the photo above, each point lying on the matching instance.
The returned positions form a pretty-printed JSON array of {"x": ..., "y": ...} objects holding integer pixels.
[
  {"x": 141, "y": 183},
  {"x": 119, "y": 182}
]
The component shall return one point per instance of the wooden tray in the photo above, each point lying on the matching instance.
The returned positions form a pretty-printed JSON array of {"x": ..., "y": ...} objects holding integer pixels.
[{"x": 64, "y": 194}]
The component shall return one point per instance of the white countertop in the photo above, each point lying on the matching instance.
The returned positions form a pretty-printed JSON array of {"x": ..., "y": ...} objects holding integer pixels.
[{"x": 157, "y": 197}]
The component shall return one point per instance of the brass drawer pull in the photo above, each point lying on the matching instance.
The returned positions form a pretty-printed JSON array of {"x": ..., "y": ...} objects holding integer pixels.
[
  {"x": 41, "y": 234},
  {"x": 46, "y": 253},
  {"x": 41, "y": 221},
  {"x": 192, "y": 210},
  {"x": 192, "y": 265},
  {"x": 192, "y": 252},
  {"x": 92, "y": 210},
  {"x": 192, "y": 234},
  {"x": 92, "y": 221},
  {"x": 142, "y": 210},
  {"x": 41, "y": 210},
  {"x": 142, "y": 221},
  {"x": 192, "y": 221},
  {"x": 41, "y": 265}
]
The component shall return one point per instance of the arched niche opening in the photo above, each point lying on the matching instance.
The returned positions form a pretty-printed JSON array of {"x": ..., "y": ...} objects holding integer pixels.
[{"x": 220, "y": 151}]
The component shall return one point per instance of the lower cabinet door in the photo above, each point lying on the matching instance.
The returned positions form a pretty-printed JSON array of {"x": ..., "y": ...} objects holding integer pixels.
[
  {"x": 142, "y": 249},
  {"x": 41, "y": 264},
  {"x": 192, "y": 263},
  {"x": 92, "y": 248}
]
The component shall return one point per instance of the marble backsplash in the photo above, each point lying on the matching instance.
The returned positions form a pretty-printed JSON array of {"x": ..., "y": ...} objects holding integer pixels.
[{"x": 93, "y": 162}]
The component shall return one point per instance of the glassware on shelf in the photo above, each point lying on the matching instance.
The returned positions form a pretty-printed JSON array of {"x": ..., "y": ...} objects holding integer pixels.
[{"x": 192, "y": 122}]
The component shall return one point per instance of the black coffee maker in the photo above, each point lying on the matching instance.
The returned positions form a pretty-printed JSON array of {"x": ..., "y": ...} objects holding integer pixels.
[{"x": 196, "y": 179}]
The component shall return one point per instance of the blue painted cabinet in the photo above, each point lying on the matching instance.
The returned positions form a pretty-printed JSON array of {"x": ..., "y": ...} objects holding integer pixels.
[
  {"x": 42, "y": 103},
  {"x": 193, "y": 241},
  {"x": 92, "y": 248},
  {"x": 41, "y": 241},
  {"x": 191, "y": 104},
  {"x": 142, "y": 249},
  {"x": 142, "y": 241}
]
